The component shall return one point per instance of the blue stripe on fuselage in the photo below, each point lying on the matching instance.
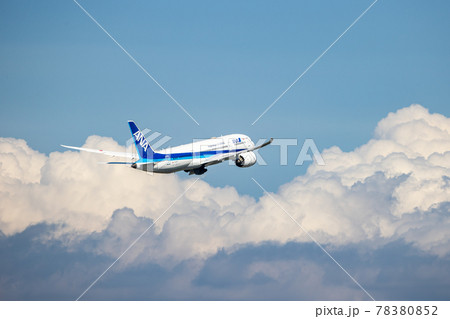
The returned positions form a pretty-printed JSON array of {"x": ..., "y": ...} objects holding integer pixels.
[{"x": 158, "y": 157}]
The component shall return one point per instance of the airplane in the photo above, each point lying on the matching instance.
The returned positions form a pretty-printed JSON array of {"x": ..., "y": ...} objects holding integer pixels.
[{"x": 192, "y": 158}]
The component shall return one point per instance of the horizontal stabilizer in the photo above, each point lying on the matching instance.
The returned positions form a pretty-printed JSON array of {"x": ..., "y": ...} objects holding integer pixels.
[{"x": 117, "y": 163}]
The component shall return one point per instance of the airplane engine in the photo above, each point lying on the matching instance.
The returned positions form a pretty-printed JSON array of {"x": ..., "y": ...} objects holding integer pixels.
[{"x": 246, "y": 159}]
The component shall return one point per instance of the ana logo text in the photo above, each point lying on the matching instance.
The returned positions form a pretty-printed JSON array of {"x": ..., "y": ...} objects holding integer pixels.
[{"x": 141, "y": 140}]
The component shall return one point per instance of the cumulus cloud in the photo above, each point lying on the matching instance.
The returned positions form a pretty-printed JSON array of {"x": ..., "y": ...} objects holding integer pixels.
[
  {"x": 71, "y": 188},
  {"x": 394, "y": 187},
  {"x": 394, "y": 184}
]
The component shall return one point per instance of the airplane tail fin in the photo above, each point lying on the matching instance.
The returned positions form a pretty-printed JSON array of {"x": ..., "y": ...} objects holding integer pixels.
[{"x": 143, "y": 148}]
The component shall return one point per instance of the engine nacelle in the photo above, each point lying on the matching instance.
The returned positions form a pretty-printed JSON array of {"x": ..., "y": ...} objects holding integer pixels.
[{"x": 246, "y": 159}]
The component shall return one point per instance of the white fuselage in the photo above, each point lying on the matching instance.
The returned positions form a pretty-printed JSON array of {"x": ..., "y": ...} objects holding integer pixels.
[{"x": 193, "y": 155}]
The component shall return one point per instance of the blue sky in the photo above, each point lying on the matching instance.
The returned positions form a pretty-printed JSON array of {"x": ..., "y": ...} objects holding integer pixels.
[{"x": 62, "y": 79}]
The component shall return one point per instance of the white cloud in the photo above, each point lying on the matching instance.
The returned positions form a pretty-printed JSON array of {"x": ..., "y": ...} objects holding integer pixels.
[
  {"x": 375, "y": 190},
  {"x": 393, "y": 187}
]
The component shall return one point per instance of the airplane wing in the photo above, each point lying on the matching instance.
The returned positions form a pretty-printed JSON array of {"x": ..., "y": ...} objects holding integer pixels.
[
  {"x": 218, "y": 158},
  {"x": 109, "y": 153},
  {"x": 262, "y": 145}
]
